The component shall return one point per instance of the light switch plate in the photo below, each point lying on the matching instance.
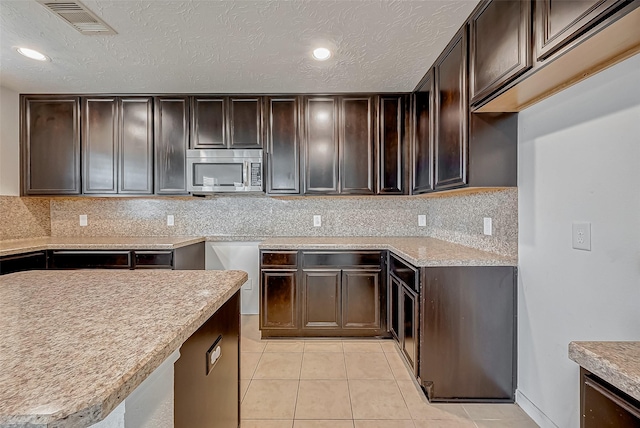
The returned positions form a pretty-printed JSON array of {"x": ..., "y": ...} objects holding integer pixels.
[
  {"x": 488, "y": 228},
  {"x": 317, "y": 221},
  {"x": 422, "y": 220},
  {"x": 581, "y": 236},
  {"x": 83, "y": 220},
  {"x": 170, "y": 220}
]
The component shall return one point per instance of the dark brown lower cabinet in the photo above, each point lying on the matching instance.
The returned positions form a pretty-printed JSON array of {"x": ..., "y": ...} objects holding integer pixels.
[
  {"x": 22, "y": 262},
  {"x": 603, "y": 405},
  {"x": 468, "y": 333},
  {"x": 341, "y": 294},
  {"x": 207, "y": 374}
]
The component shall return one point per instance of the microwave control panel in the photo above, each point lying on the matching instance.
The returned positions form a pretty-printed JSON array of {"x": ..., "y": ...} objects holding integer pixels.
[{"x": 256, "y": 174}]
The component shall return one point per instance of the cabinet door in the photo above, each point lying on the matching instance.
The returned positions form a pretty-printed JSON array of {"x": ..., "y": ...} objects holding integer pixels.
[
  {"x": 558, "y": 22},
  {"x": 283, "y": 139},
  {"x": 394, "y": 307},
  {"x": 209, "y": 123},
  {"x": 51, "y": 145},
  {"x": 171, "y": 139},
  {"x": 452, "y": 115},
  {"x": 603, "y": 405},
  {"x": 245, "y": 123},
  {"x": 100, "y": 145},
  {"x": 356, "y": 145},
  {"x": 321, "y": 146},
  {"x": 410, "y": 321},
  {"x": 361, "y": 299},
  {"x": 321, "y": 299},
  {"x": 422, "y": 141},
  {"x": 500, "y": 45},
  {"x": 136, "y": 146},
  {"x": 390, "y": 146},
  {"x": 278, "y": 299}
]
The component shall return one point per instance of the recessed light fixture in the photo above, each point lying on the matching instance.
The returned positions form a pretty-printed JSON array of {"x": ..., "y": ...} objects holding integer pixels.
[
  {"x": 30, "y": 53},
  {"x": 321, "y": 54}
]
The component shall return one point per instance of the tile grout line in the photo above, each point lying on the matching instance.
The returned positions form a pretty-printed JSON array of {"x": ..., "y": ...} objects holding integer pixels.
[{"x": 346, "y": 374}]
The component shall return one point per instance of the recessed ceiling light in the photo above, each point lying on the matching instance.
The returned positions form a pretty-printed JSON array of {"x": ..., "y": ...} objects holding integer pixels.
[
  {"x": 30, "y": 53},
  {"x": 321, "y": 54}
]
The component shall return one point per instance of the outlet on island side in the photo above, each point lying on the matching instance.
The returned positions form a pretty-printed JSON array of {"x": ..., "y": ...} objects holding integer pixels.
[{"x": 581, "y": 236}]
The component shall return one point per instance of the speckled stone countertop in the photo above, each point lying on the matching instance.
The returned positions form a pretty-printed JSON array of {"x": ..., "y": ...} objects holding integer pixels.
[
  {"x": 615, "y": 362},
  {"x": 420, "y": 252},
  {"x": 17, "y": 246},
  {"x": 74, "y": 344}
]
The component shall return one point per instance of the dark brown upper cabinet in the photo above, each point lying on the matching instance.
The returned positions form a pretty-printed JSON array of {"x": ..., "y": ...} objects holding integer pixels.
[
  {"x": 422, "y": 138},
  {"x": 559, "y": 22},
  {"x": 245, "y": 122},
  {"x": 171, "y": 140},
  {"x": 321, "y": 145},
  {"x": 117, "y": 145},
  {"x": 209, "y": 123},
  {"x": 356, "y": 145},
  {"x": 283, "y": 145},
  {"x": 391, "y": 149},
  {"x": 226, "y": 122},
  {"x": 500, "y": 45},
  {"x": 452, "y": 111},
  {"x": 50, "y": 145}
]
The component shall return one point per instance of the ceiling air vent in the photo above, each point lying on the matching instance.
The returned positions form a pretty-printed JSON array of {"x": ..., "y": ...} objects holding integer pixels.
[{"x": 78, "y": 16}]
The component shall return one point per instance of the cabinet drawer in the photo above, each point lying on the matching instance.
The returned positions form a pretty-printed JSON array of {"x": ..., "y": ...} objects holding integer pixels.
[
  {"x": 22, "y": 262},
  {"x": 90, "y": 260},
  {"x": 341, "y": 259},
  {"x": 404, "y": 272},
  {"x": 153, "y": 259},
  {"x": 279, "y": 258},
  {"x": 605, "y": 406}
]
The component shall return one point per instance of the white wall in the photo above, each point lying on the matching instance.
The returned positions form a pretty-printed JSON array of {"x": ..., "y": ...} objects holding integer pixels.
[
  {"x": 578, "y": 160},
  {"x": 9, "y": 142}
]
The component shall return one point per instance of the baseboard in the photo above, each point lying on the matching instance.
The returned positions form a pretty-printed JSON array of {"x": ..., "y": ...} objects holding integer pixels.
[{"x": 533, "y": 411}]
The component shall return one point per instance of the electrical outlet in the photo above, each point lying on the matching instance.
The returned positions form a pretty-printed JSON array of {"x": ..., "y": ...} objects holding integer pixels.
[
  {"x": 488, "y": 228},
  {"x": 581, "y": 236},
  {"x": 170, "y": 220},
  {"x": 83, "y": 220},
  {"x": 422, "y": 220},
  {"x": 317, "y": 220}
]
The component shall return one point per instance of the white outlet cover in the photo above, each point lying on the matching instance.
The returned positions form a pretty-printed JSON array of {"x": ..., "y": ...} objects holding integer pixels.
[
  {"x": 581, "y": 236},
  {"x": 170, "y": 220},
  {"x": 317, "y": 221},
  {"x": 488, "y": 228},
  {"x": 422, "y": 220},
  {"x": 83, "y": 220}
]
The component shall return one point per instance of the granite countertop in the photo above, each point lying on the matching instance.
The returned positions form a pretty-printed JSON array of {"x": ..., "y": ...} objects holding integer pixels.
[
  {"x": 615, "y": 362},
  {"x": 74, "y": 344},
  {"x": 17, "y": 246},
  {"x": 420, "y": 252}
]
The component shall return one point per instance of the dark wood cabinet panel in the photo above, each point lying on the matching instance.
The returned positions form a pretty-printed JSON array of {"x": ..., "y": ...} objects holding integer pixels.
[
  {"x": 100, "y": 145},
  {"x": 136, "y": 146},
  {"x": 22, "y": 262},
  {"x": 321, "y": 299},
  {"x": 558, "y": 22},
  {"x": 90, "y": 259},
  {"x": 361, "y": 299},
  {"x": 51, "y": 145},
  {"x": 321, "y": 145},
  {"x": 283, "y": 140},
  {"x": 278, "y": 299},
  {"x": 209, "y": 123},
  {"x": 603, "y": 405},
  {"x": 245, "y": 123},
  {"x": 500, "y": 45},
  {"x": 450, "y": 148},
  {"x": 393, "y": 308},
  {"x": 422, "y": 138},
  {"x": 409, "y": 325},
  {"x": 356, "y": 145},
  {"x": 390, "y": 146},
  {"x": 171, "y": 140}
]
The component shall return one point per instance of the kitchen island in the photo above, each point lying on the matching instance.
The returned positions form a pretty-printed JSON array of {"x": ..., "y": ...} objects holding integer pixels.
[{"x": 75, "y": 344}]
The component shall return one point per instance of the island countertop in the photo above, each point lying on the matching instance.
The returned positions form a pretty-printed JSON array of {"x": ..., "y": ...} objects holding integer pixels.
[
  {"x": 420, "y": 252},
  {"x": 74, "y": 344},
  {"x": 17, "y": 246},
  {"x": 617, "y": 363}
]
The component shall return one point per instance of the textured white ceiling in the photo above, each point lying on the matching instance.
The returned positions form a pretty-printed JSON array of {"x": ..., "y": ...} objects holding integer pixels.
[{"x": 229, "y": 46}]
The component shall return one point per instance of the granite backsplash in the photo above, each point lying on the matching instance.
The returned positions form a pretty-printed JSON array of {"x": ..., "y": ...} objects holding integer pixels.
[
  {"x": 24, "y": 217},
  {"x": 456, "y": 217}
]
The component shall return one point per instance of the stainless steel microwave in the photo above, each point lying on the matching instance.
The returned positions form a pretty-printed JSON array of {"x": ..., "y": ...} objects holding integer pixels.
[{"x": 223, "y": 170}]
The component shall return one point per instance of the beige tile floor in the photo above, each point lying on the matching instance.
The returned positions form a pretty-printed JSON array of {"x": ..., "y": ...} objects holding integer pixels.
[{"x": 346, "y": 384}]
